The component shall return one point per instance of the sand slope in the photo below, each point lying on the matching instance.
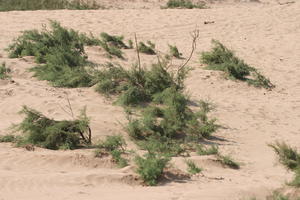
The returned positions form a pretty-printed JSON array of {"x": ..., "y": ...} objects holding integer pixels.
[{"x": 266, "y": 36}]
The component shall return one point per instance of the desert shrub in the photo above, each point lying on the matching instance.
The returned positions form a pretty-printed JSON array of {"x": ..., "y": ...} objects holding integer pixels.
[
  {"x": 192, "y": 167},
  {"x": 162, "y": 146},
  {"x": 184, "y": 4},
  {"x": 51, "y": 134},
  {"x": 202, "y": 150},
  {"x": 174, "y": 52},
  {"x": 130, "y": 44},
  {"x": 61, "y": 53},
  {"x": 4, "y": 71},
  {"x": 148, "y": 48},
  {"x": 228, "y": 161},
  {"x": 137, "y": 85},
  {"x": 8, "y": 5},
  {"x": 150, "y": 167},
  {"x": 112, "y": 44},
  {"x": 115, "y": 146},
  {"x": 115, "y": 142},
  {"x": 8, "y": 138},
  {"x": 290, "y": 158},
  {"x": 223, "y": 59}
]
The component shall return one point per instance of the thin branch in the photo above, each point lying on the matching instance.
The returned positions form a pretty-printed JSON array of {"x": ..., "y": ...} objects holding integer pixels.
[
  {"x": 195, "y": 36},
  {"x": 138, "y": 52}
]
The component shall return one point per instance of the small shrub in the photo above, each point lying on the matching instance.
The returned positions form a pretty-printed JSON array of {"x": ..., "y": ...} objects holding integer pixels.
[
  {"x": 115, "y": 146},
  {"x": 192, "y": 167},
  {"x": 223, "y": 59},
  {"x": 150, "y": 167},
  {"x": 9, "y": 5},
  {"x": 290, "y": 158},
  {"x": 112, "y": 44},
  {"x": 115, "y": 142},
  {"x": 130, "y": 44},
  {"x": 7, "y": 138},
  {"x": 202, "y": 150},
  {"x": 184, "y": 4},
  {"x": 174, "y": 52},
  {"x": 228, "y": 161},
  {"x": 51, "y": 134},
  {"x": 4, "y": 71},
  {"x": 117, "y": 158},
  {"x": 148, "y": 48}
]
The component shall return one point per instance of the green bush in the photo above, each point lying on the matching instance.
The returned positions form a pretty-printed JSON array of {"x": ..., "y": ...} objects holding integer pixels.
[
  {"x": 8, "y": 5},
  {"x": 51, "y": 134},
  {"x": 61, "y": 52},
  {"x": 202, "y": 150},
  {"x": 228, "y": 161},
  {"x": 7, "y": 138},
  {"x": 184, "y": 4},
  {"x": 137, "y": 85},
  {"x": 150, "y": 167},
  {"x": 222, "y": 59},
  {"x": 4, "y": 71},
  {"x": 148, "y": 48},
  {"x": 290, "y": 158},
  {"x": 174, "y": 52},
  {"x": 192, "y": 167},
  {"x": 115, "y": 146}
]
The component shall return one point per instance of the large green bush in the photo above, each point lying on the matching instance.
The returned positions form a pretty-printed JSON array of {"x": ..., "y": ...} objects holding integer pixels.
[
  {"x": 60, "y": 54},
  {"x": 51, "y": 134}
]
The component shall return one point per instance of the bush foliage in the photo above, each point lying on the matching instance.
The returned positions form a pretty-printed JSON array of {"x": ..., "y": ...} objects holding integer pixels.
[
  {"x": 148, "y": 48},
  {"x": 4, "y": 71},
  {"x": 8, "y": 5},
  {"x": 184, "y": 4},
  {"x": 60, "y": 53},
  {"x": 290, "y": 158},
  {"x": 192, "y": 167},
  {"x": 223, "y": 59},
  {"x": 150, "y": 167},
  {"x": 51, "y": 134},
  {"x": 114, "y": 145},
  {"x": 7, "y": 138}
]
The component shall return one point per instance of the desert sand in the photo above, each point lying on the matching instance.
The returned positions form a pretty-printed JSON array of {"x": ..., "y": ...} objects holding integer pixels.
[{"x": 266, "y": 35}]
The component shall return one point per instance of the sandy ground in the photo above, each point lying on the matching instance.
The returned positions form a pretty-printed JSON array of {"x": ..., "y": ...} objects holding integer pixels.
[{"x": 265, "y": 35}]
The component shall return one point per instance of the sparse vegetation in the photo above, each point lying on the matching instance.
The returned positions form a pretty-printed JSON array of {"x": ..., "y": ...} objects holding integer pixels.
[
  {"x": 192, "y": 167},
  {"x": 175, "y": 52},
  {"x": 9, "y": 5},
  {"x": 4, "y": 71},
  {"x": 7, "y": 138},
  {"x": 222, "y": 59},
  {"x": 51, "y": 134},
  {"x": 150, "y": 167},
  {"x": 184, "y": 4},
  {"x": 115, "y": 146},
  {"x": 290, "y": 158},
  {"x": 202, "y": 150},
  {"x": 228, "y": 161},
  {"x": 148, "y": 48}
]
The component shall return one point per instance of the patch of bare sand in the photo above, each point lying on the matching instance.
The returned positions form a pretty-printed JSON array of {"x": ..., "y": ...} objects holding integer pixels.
[{"x": 264, "y": 35}]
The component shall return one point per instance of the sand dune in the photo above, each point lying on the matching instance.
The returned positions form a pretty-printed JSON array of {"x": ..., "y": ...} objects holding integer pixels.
[{"x": 266, "y": 35}]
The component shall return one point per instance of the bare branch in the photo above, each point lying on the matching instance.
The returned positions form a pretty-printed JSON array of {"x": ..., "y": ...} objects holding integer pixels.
[{"x": 195, "y": 36}]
